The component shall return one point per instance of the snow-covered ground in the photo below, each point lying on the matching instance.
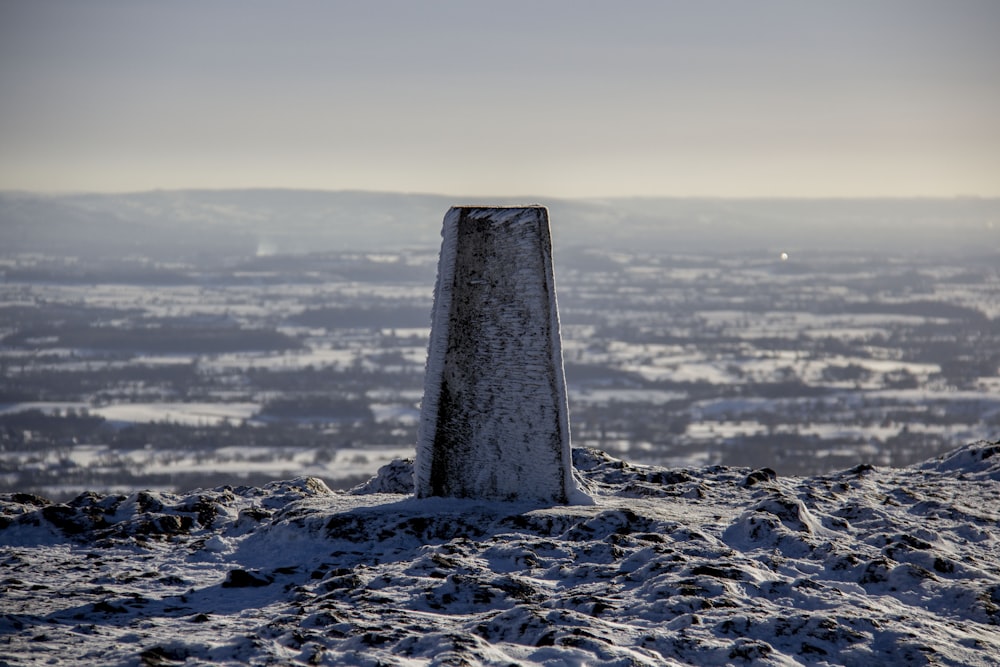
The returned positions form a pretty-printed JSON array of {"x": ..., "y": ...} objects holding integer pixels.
[
  {"x": 716, "y": 565},
  {"x": 338, "y": 466}
]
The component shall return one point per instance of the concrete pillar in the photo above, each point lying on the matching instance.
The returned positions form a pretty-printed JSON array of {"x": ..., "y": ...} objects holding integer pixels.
[{"x": 494, "y": 421}]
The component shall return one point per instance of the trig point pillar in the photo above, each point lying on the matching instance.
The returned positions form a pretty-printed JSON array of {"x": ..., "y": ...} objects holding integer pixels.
[{"x": 494, "y": 419}]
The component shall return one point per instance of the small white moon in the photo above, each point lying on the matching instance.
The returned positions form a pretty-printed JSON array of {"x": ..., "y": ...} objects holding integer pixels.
[{"x": 784, "y": 257}]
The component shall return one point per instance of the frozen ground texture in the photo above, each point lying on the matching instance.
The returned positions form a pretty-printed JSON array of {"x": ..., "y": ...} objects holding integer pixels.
[
  {"x": 494, "y": 421},
  {"x": 870, "y": 566}
]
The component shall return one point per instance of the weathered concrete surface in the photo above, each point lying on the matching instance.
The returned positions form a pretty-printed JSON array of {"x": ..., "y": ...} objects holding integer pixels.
[{"x": 494, "y": 422}]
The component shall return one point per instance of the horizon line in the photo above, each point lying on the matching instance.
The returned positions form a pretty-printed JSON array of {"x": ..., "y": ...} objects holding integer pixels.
[{"x": 533, "y": 198}]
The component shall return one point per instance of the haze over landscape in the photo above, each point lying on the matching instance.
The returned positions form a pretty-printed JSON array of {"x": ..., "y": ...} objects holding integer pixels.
[{"x": 551, "y": 99}]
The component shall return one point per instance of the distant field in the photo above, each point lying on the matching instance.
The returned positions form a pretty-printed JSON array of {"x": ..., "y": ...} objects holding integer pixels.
[{"x": 804, "y": 362}]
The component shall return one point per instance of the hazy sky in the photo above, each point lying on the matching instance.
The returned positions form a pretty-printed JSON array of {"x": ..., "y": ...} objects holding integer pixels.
[{"x": 558, "y": 98}]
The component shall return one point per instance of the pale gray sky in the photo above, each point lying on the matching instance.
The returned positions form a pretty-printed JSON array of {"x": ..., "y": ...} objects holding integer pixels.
[{"x": 544, "y": 97}]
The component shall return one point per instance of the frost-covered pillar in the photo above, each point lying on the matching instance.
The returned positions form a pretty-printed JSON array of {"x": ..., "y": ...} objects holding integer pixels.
[{"x": 494, "y": 421}]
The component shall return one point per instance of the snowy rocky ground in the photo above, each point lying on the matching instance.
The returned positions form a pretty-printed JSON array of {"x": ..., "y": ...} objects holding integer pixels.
[{"x": 717, "y": 565}]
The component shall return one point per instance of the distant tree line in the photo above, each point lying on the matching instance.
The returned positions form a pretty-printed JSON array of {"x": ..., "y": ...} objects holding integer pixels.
[{"x": 170, "y": 338}]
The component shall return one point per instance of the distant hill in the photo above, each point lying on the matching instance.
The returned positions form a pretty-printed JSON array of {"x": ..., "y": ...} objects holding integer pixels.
[{"x": 266, "y": 221}]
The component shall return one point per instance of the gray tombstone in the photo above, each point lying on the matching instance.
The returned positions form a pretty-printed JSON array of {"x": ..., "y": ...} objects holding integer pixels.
[{"x": 494, "y": 420}]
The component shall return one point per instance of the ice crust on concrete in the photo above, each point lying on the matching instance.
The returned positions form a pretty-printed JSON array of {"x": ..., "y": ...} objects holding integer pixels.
[{"x": 494, "y": 419}]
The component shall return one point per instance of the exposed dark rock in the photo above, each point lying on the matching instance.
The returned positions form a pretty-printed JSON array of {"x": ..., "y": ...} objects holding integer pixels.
[{"x": 240, "y": 578}]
